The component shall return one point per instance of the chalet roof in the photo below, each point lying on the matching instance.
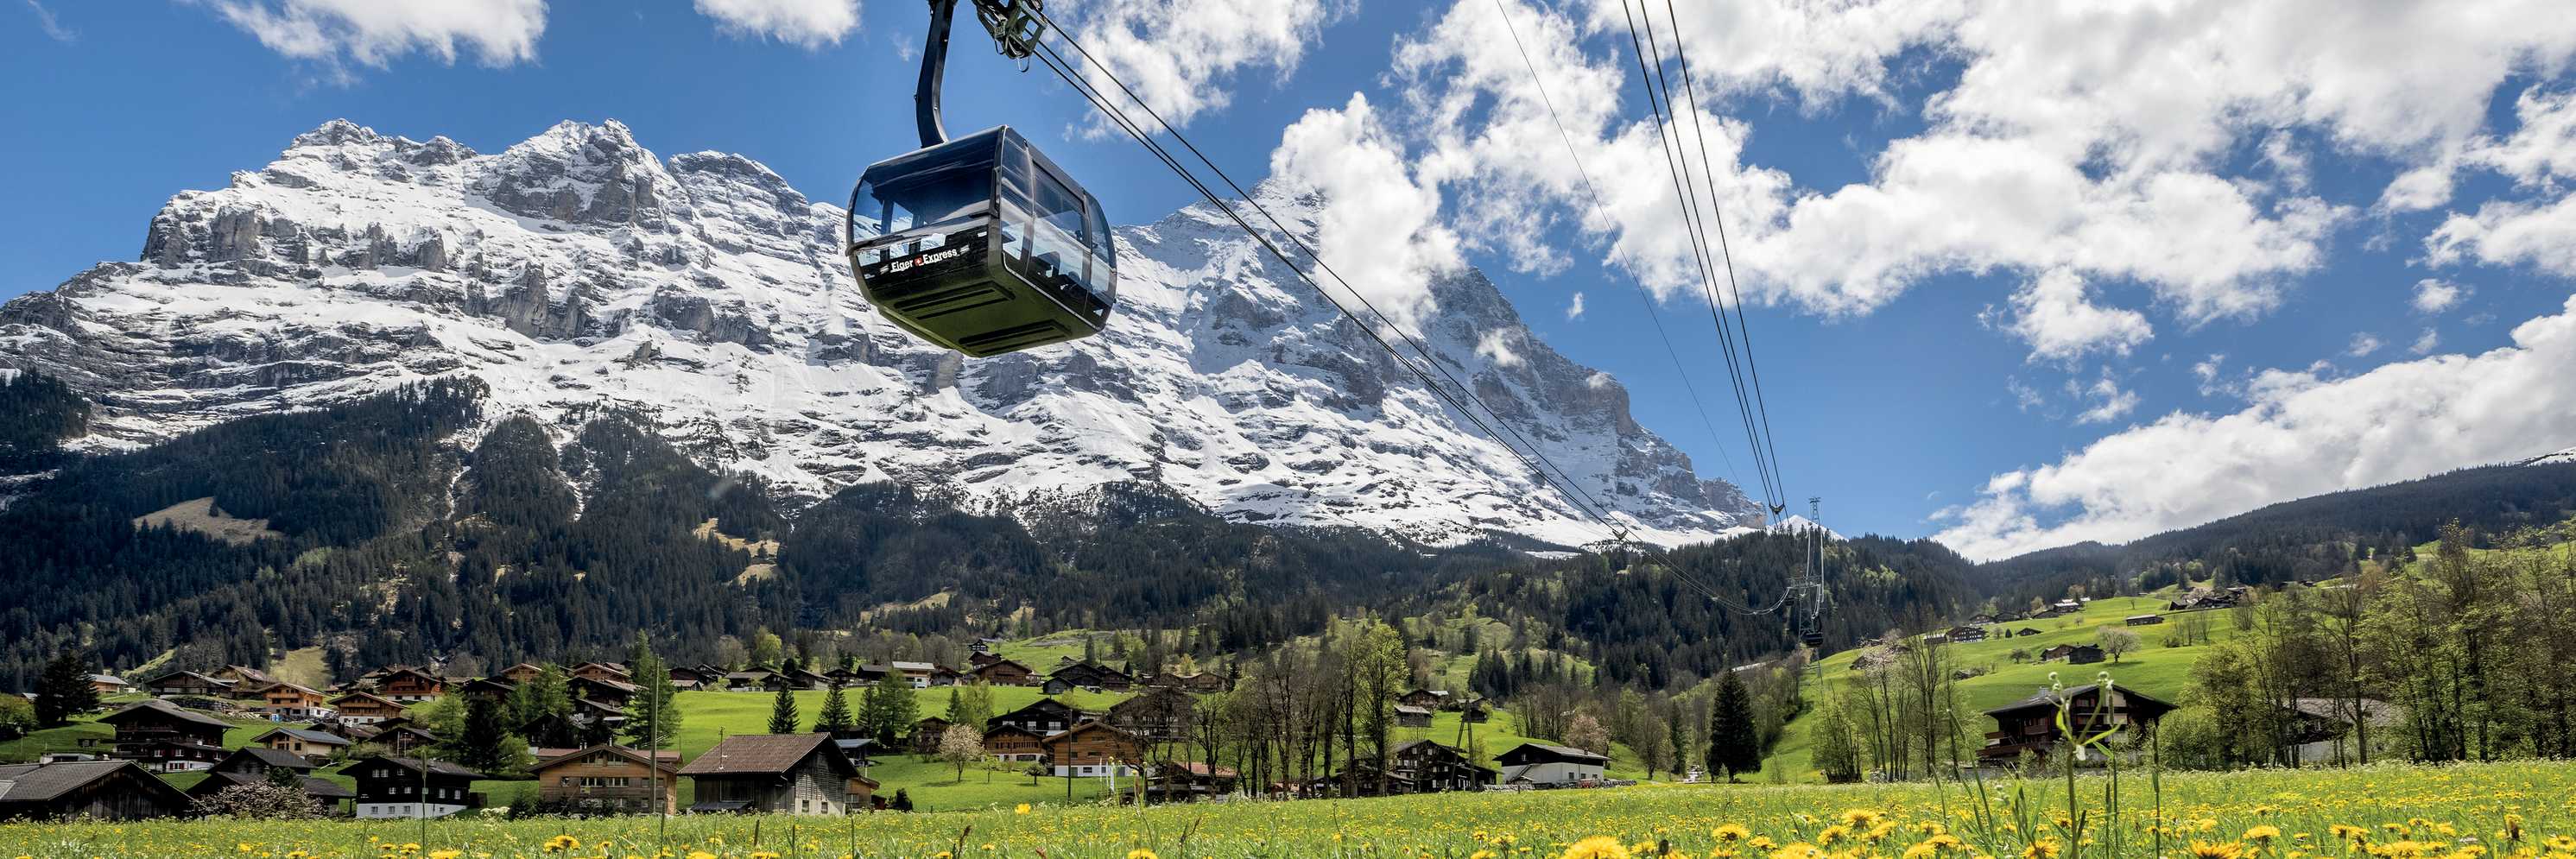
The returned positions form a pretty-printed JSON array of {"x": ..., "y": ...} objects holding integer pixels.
[
  {"x": 1544, "y": 751},
  {"x": 414, "y": 764},
  {"x": 41, "y": 782},
  {"x": 308, "y": 690},
  {"x": 2377, "y": 711},
  {"x": 280, "y": 758},
  {"x": 164, "y": 708},
  {"x": 1202, "y": 769},
  {"x": 368, "y": 697},
  {"x": 913, "y": 666},
  {"x": 1067, "y": 734},
  {"x": 750, "y": 675},
  {"x": 306, "y": 734},
  {"x": 246, "y": 672},
  {"x": 1007, "y": 728},
  {"x": 1042, "y": 704},
  {"x": 999, "y": 662},
  {"x": 669, "y": 760},
  {"x": 759, "y": 754},
  {"x": 1403, "y": 710},
  {"x": 108, "y": 678},
  {"x": 167, "y": 675},
  {"x": 2049, "y": 698}
]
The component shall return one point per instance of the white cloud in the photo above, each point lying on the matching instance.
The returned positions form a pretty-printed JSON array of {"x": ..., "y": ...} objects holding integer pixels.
[
  {"x": 1185, "y": 60},
  {"x": 2207, "y": 370},
  {"x": 1574, "y": 310},
  {"x": 1598, "y": 380},
  {"x": 2024, "y": 397},
  {"x": 2510, "y": 233},
  {"x": 2543, "y": 145},
  {"x": 2399, "y": 421},
  {"x": 2109, "y": 401},
  {"x": 2434, "y": 295},
  {"x": 1496, "y": 346},
  {"x": 2053, "y": 315},
  {"x": 812, "y": 24},
  {"x": 52, "y": 26},
  {"x": 374, "y": 32},
  {"x": 1377, "y": 226},
  {"x": 2363, "y": 343},
  {"x": 2426, "y": 343}
]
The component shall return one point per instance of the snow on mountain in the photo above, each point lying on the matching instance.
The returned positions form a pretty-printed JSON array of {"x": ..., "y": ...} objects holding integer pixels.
[
  {"x": 577, "y": 271},
  {"x": 2564, "y": 456}
]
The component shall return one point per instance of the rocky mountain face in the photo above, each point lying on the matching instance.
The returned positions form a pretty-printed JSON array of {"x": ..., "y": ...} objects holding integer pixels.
[{"x": 577, "y": 273}]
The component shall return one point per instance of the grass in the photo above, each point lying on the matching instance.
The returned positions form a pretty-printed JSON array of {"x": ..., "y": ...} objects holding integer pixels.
[{"x": 2403, "y": 811}]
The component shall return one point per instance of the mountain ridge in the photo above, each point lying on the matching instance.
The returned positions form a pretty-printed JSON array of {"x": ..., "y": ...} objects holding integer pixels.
[{"x": 576, "y": 270}]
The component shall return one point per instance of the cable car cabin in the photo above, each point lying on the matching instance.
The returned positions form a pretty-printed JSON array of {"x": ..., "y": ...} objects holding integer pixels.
[
  {"x": 982, "y": 245},
  {"x": 1813, "y": 639}
]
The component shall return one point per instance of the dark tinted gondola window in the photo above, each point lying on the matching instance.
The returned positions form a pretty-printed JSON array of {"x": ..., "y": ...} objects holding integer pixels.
[
  {"x": 1104, "y": 254},
  {"x": 942, "y": 187},
  {"x": 1056, "y": 248}
]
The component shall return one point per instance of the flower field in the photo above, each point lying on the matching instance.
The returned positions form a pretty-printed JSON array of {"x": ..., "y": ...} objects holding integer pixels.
[{"x": 2391, "y": 812}]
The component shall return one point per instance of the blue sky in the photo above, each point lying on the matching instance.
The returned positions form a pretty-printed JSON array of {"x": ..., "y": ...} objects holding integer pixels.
[{"x": 2019, "y": 273}]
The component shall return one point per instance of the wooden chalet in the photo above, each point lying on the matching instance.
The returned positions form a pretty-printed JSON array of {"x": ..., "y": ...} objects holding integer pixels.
[
  {"x": 1093, "y": 675},
  {"x": 754, "y": 680},
  {"x": 1012, "y": 743},
  {"x": 1412, "y": 717},
  {"x": 783, "y": 773},
  {"x": 1545, "y": 764},
  {"x": 1476, "y": 711},
  {"x": 521, "y": 673},
  {"x": 863, "y": 793},
  {"x": 1004, "y": 672},
  {"x": 102, "y": 790},
  {"x": 175, "y": 683},
  {"x": 410, "y": 685},
  {"x": 1183, "y": 781},
  {"x": 610, "y": 779},
  {"x": 316, "y": 745},
  {"x": 614, "y": 693},
  {"x": 1041, "y": 717},
  {"x": 1093, "y": 748},
  {"x": 980, "y": 657},
  {"x": 919, "y": 673},
  {"x": 109, "y": 684},
  {"x": 366, "y": 708},
  {"x": 602, "y": 671},
  {"x": 1966, "y": 634},
  {"x": 1161, "y": 714},
  {"x": 495, "y": 688},
  {"x": 2145, "y": 619},
  {"x": 391, "y": 786},
  {"x": 294, "y": 701},
  {"x": 245, "y": 681},
  {"x": 1428, "y": 699},
  {"x": 253, "y": 764},
  {"x": 2030, "y": 725},
  {"x": 166, "y": 737},
  {"x": 1423, "y": 766},
  {"x": 926, "y": 734}
]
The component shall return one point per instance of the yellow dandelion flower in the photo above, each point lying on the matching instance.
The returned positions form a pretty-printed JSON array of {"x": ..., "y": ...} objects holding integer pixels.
[
  {"x": 1595, "y": 847},
  {"x": 1731, "y": 833},
  {"x": 2042, "y": 849},
  {"x": 1140, "y": 853},
  {"x": 2262, "y": 834},
  {"x": 2216, "y": 850},
  {"x": 1022, "y": 809}
]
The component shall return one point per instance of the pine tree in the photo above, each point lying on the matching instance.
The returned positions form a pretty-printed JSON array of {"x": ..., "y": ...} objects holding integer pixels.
[
  {"x": 63, "y": 691},
  {"x": 485, "y": 743},
  {"x": 836, "y": 716},
  {"x": 888, "y": 708},
  {"x": 1733, "y": 746},
  {"x": 782, "y": 712},
  {"x": 649, "y": 726},
  {"x": 547, "y": 695}
]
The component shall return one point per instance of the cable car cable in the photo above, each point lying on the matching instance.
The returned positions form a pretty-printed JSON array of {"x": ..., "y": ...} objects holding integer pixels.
[
  {"x": 1062, "y": 68},
  {"x": 1683, "y": 196},
  {"x": 1056, "y": 63},
  {"x": 1743, "y": 328}
]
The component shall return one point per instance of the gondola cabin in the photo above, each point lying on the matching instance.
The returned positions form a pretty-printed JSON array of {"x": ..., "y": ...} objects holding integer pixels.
[{"x": 982, "y": 245}]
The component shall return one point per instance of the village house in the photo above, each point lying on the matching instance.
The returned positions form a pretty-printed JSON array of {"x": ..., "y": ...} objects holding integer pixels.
[
  {"x": 610, "y": 779},
  {"x": 1183, "y": 781},
  {"x": 2323, "y": 728},
  {"x": 522, "y": 672},
  {"x": 777, "y": 773},
  {"x": 176, "y": 683},
  {"x": 1428, "y": 699},
  {"x": 242, "y": 679},
  {"x": 1014, "y": 744},
  {"x": 748, "y": 681},
  {"x": 102, "y": 790},
  {"x": 1550, "y": 765},
  {"x": 1966, "y": 634},
  {"x": 166, "y": 737},
  {"x": 1003, "y": 672},
  {"x": 1476, "y": 711},
  {"x": 614, "y": 693},
  {"x": 862, "y": 791},
  {"x": 495, "y": 688},
  {"x": 312, "y": 744},
  {"x": 1093, "y": 748},
  {"x": 2077, "y": 654},
  {"x": 2145, "y": 619},
  {"x": 602, "y": 671},
  {"x": 294, "y": 701},
  {"x": 410, "y": 685},
  {"x": 917, "y": 673},
  {"x": 1093, "y": 675},
  {"x": 252, "y": 765},
  {"x": 1423, "y": 766},
  {"x": 109, "y": 684},
  {"x": 409, "y": 787},
  {"x": 1041, "y": 717},
  {"x": 926, "y": 734},
  {"x": 366, "y": 708},
  {"x": 2030, "y": 725},
  {"x": 1162, "y": 714},
  {"x": 1412, "y": 717}
]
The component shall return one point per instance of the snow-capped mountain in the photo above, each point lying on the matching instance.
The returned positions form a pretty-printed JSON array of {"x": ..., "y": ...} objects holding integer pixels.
[
  {"x": 2564, "y": 456},
  {"x": 577, "y": 271}
]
